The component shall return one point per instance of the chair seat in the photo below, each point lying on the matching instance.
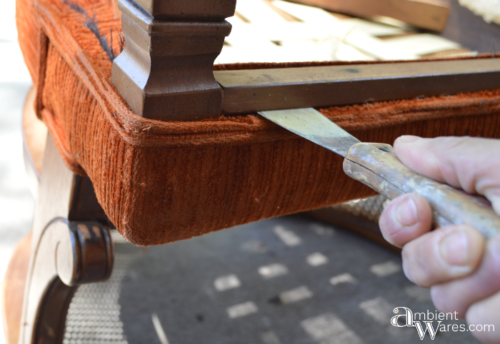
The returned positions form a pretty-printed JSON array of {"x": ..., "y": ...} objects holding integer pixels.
[{"x": 160, "y": 182}]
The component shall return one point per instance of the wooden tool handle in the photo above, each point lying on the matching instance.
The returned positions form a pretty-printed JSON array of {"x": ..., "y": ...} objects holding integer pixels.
[{"x": 376, "y": 166}]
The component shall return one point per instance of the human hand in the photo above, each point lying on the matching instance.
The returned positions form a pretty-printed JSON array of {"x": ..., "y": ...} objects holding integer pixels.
[{"x": 456, "y": 262}]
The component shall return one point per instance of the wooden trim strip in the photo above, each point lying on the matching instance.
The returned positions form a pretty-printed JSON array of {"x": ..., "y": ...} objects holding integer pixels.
[
  {"x": 426, "y": 14},
  {"x": 247, "y": 91}
]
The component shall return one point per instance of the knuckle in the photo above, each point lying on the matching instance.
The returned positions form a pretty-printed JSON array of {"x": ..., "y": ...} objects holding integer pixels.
[
  {"x": 421, "y": 261},
  {"x": 453, "y": 142},
  {"x": 442, "y": 301},
  {"x": 424, "y": 279},
  {"x": 415, "y": 271},
  {"x": 389, "y": 227}
]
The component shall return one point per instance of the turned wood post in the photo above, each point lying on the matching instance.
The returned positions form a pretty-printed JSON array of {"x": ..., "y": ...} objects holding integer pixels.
[
  {"x": 165, "y": 71},
  {"x": 70, "y": 245}
]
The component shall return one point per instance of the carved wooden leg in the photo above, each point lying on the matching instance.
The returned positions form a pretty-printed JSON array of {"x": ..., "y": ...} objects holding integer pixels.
[
  {"x": 67, "y": 254},
  {"x": 13, "y": 289},
  {"x": 166, "y": 69},
  {"x": 70, "y": 245}
]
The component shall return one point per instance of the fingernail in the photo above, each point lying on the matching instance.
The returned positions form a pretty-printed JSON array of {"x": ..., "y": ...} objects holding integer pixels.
[
  {"x": 409, "y": 139},
  {"x": 454, "y": 248},
  {"x": 405, "y": 212}
]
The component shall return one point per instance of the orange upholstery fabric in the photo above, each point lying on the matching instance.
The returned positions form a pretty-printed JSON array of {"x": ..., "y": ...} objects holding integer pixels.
[{"x": 165, "y": 181}]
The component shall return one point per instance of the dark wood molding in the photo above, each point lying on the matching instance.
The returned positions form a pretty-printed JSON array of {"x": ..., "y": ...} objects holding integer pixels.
[
  {"x": 166, "y": 69},
  {"x": 247, "y": 91},
  {"x": 189, "y": 10}
]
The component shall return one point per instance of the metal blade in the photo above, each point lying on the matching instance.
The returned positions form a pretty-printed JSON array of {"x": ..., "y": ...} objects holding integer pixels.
[{"x": 313, "y": 126}]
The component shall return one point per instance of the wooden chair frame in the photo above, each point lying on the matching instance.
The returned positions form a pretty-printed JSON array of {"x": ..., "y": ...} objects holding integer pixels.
[
  {"x": 71, "y": 245},
  {"x": 166, "y": 69},
  {"x": 178, "y": 41}
]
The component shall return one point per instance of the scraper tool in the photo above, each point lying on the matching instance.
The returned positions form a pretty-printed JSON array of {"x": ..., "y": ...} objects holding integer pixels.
[{"x": 376, "y": 165}]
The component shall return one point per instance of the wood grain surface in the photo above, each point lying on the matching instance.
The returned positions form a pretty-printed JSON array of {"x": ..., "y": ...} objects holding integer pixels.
[
  {"x": 471, "y": 31},
  {"x": 292, "y": 88},
  {"x": 34, "y": 133},
  {"x": 165, "y": 71},
  {"x": 193, "y": 9},
  {"x": 13, "y": 289},
  {"x": 431, "y": 15}
]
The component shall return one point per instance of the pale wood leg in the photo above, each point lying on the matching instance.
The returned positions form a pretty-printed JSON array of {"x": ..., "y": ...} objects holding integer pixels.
[{"x": 13, "y": 289}]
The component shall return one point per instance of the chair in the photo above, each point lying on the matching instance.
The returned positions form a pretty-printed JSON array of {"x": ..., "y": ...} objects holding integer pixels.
[{"x": 71, "y": 243}]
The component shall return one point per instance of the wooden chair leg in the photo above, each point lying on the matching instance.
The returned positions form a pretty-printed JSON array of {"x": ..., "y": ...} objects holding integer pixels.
[
  {"x": 34, "y": 137},
  {"x": 13, "y": 289},
  {"x": 70, "y": 245},
  {"x": 66, "y": 250},
  {"x": 174, "y": 40}
]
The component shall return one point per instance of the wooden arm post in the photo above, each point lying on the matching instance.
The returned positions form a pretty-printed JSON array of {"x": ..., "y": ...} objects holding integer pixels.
[
  {"x": 70, "y": 245},
  {"x": 166, "y": 69}
]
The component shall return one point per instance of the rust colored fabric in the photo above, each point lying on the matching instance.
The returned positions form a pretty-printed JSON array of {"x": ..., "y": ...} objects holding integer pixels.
[{"x": 165, "y": 181}]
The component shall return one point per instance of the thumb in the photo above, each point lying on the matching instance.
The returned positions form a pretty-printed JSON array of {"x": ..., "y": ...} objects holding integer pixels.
[{"x": 470, "y": 164}]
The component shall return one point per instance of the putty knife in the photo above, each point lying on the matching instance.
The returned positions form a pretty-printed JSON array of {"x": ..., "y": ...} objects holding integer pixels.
[{"x": 376, "y": 165}]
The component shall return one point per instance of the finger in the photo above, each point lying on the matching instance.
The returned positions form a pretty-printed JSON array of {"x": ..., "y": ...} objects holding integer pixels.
[
  {"x": 405, "y": 218},
  {"x": 471, "y": 164},
  {"x": 484, "y": 315},
  {"x": 460, "y": 294},
  {"x": 443, "y": 255}
]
